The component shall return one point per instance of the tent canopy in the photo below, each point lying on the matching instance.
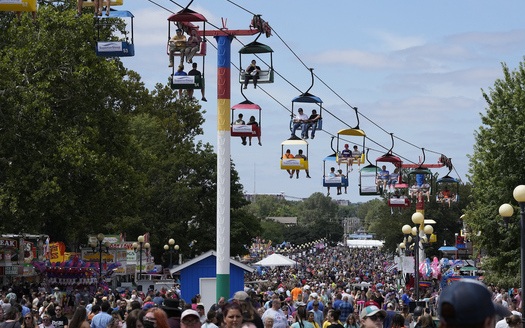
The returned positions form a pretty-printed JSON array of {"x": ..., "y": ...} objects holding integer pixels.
[{"x": 276, "y": 260}]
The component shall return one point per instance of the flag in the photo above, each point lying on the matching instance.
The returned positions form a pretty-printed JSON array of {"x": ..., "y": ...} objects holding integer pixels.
[{"x": 425, "y": 284}]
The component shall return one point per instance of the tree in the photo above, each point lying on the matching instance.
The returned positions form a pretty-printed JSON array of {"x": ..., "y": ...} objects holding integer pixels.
[
  {"x": 496, "y": 167},
  {"x": 66, "y": 153},
  {"x": 86, "y": 148},
  {"x": 316, "y": 207}
]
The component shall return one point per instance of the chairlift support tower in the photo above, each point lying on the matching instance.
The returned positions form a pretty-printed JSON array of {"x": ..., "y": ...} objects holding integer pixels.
[{"x": 224, "y": 37}]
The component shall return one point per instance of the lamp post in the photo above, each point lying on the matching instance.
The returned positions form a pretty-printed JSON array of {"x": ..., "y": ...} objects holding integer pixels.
[
  {"x": 140, "y": 246},
  {"x": 506, "y": 211},
  {"x": 418, "y": 220},
  {"x": 171, "y": 248},
  {"x": 96, "y": 246}
]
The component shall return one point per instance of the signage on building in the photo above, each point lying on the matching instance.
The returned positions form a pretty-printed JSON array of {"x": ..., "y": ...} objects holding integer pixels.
[{"x": 8, "y": 243}]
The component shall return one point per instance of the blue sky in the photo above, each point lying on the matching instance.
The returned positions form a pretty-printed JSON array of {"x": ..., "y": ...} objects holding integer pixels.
[{"x": 414, "y": 68}]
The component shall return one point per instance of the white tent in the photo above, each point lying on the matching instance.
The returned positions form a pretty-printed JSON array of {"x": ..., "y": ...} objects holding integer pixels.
[{"x": 276, "y": 260}]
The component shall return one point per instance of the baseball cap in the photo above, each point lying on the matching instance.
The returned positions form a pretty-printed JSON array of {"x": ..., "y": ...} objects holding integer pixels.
[
  {"x": 370, "y": 311},
  {"x": 314, "y": 295},
  {"x": 372, "y": 303},
  {"x": 189, "y": 312},
  {"x": 468, "y": 302},
  {"x": 346, "y": 145},
  {"x": 241, "y": 296}
]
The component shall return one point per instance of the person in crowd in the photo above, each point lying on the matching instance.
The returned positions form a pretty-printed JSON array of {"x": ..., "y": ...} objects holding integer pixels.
[
  {"x": 301, "y": 320},
  {"x": 513, "y": 321},
  {"x": 318, "y": 314},
  {"x": 195, "y": 72},
  {"x": 372, "y": 317},
  {"x": 311, "y": 318},
  {"x": 398, "y": 321},
  {"x": 217, "y": 307},
  {"x": 249, "y": 314},
  {"x": 135, "y": 319},
  {"x": 252, "y": 72},
  {"x": 311, "y": 123},
  {"x": 425, "y": 321},
  {"x": 102, "y": 319},
  {"x": 296, "y": 291},
  {"x": 268, "y": 322},
  {"x": 211, "y": 320},
  {"x": 200, "y": 311},
  {"x": 253, "y": 122},
  {"x": 334, "y": 319},
  {"x": 29, "y": 321},
  {"x": 193, "y": 45},
  {"x": 346, "y": 308},
  {"x": 287, "y": 313},
  {"x": 46, "y": 321},
  {"x": 232, "y": 316},
  {"x": 279, "y": 318},
  {"x": 156, "y": 318},
  {"x": 468, "y": 303},
  {"x": 177, "y": 44},
  {"x": 351, "y": 322},
  {"x": 300, "y": 155},
  {"x": 79, "y": 319},
  {"x": 115, "y": 322},
  {"x": 299, "y": 121},
  {"x": 59, "y": 320}
]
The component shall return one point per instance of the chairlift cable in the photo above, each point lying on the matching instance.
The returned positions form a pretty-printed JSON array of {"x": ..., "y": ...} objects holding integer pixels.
[{"x": 321, "y": 80}]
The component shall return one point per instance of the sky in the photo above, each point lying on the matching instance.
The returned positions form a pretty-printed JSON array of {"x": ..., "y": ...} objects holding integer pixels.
[{"x": 413, "y": 68}]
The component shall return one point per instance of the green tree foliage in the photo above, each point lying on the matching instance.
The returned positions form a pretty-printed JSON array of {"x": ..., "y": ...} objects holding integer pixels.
[
  {"x": 66, "y": 154},
  {"x": 317, "y": 207},
  {"x": 496, "y": 168},
  {"x": 86, "y": 148}
]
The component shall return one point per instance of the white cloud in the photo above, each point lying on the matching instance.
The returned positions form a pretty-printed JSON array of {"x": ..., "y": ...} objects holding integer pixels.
[{"x": 394, "y": 42}]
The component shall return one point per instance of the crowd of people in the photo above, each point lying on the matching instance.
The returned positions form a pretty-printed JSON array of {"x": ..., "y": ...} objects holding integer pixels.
[{"x": 333, "y": 287}]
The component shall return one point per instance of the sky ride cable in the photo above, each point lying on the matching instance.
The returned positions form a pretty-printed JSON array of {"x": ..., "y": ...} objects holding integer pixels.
[
  {"x": 326, "y": 85},
  {"x": 321, "y": 80}
]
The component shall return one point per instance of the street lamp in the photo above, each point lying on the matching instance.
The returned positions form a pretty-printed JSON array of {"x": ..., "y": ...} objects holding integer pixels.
[
  {"x": 96, "y": 246},
  {"x": 140, "y": 246},
  {"x": 171, "y": 248},
  {"x": 418, "y": 220},
  {"x": 506, "y": 211}
]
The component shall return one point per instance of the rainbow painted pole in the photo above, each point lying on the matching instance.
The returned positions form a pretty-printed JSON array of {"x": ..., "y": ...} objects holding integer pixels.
[{"x": 223, "y": 165}]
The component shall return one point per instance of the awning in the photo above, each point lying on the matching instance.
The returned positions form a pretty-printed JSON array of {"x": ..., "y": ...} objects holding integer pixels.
[{"x": 448, "y": 248}]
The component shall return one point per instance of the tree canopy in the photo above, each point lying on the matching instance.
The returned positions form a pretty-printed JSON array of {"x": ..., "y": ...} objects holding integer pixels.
[
  {"x": 496, "y": 168},
  {"x": 87, "y": 148}
]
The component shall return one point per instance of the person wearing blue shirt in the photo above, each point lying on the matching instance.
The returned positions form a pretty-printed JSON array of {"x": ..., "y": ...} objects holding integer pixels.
[
  {"x": 405, "y": 298},
  {"x": 102, "y": 319}
]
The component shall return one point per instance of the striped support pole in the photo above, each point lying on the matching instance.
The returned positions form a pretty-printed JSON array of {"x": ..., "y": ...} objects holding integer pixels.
[{"x": 223, "y": 166}]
